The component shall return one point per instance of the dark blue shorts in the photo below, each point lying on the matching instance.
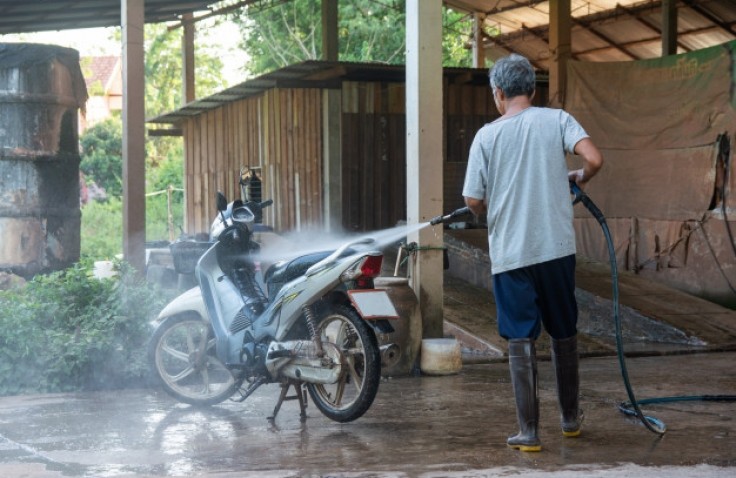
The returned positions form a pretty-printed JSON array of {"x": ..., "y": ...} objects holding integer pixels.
[{"x": 535, "y": 296}]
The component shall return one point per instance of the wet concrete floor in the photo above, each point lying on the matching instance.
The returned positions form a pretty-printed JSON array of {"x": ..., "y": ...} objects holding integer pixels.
[{"x": 421, "y": 426}]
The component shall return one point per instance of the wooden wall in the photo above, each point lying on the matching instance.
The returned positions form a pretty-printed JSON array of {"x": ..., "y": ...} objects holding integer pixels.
[
  {"x": 281, "y": 132},
  {"x": 373, "y": 155},
  {"x": 278, "y": 132}
]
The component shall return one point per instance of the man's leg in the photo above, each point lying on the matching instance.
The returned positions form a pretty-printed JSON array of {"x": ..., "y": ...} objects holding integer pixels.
[
  {"x": 523, "y": 367},
  {"x": 565, "y": 362},
  {"x": 556, "y": 285},
  {"x": 519, "y": 322}
]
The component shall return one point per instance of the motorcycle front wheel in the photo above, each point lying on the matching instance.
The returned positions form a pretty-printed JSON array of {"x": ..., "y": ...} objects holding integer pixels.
[
  {"x": 182, "y": 354},
  {"x": 353, "y": 393}
]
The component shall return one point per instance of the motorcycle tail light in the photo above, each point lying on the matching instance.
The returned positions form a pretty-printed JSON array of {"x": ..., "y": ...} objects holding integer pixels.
[
  {"x": 371, "y": 266},
  {"x": 365, "y": 270}
]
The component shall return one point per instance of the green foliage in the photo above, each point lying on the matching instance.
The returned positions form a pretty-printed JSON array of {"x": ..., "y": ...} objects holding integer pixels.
[
  {"x": 457, "y": 31},
  {"x": 102, "y": 222},
  {"x": 167, "y": 173},
  {"x": 68, "y": 331},
  {"x": 164, "y": 87},
  {"x": 101, "y": 235},
  {"x": 284, "y": 33},
  {"x": 102, "y": 155}
]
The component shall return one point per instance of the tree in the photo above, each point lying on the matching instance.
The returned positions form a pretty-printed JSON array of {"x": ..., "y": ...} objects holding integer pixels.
[
  {"x": 278, "y": 34},
  {"x": 102, "y": 155}
]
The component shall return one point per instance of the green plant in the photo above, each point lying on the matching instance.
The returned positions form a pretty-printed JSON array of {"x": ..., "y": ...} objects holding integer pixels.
[
  {"x": 69, "y": 331},
  {"x": 102, "y": 229},
  {"x": 102, "y": 155}
]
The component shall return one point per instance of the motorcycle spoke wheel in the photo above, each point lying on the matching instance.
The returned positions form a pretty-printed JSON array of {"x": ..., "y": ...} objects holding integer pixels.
[
  {"x": 353, "y": 393},
  {"x": 182, "y": 354}
]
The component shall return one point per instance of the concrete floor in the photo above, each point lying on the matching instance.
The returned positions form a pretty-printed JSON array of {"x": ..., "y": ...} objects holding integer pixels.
[{"x": 424, "y": 426}]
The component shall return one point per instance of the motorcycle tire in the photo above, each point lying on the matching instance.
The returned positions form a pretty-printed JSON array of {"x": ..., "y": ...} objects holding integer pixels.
[
  {"x": 190, "y": 377},
  {"x": 353, "y": 394}
]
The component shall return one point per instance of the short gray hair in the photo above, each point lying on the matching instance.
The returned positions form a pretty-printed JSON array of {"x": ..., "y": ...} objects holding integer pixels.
[{"x": 514, "y": 75}]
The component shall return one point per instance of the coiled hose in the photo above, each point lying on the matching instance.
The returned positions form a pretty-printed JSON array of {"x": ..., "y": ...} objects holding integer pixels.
[{"x": 631, "y": 407}]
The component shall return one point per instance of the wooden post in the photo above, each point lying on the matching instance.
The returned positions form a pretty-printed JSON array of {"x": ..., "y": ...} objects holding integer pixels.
[
  {"x": 424, "y": 155},
  {"x": 134, "y": 135},
  {"x": 479, "y": 53},
  {"x": 669, "y": 27},
  {"x": 560, "y": 50},
  {"x": 187, "y": 56},
  {"x": 329, "y": 30}
]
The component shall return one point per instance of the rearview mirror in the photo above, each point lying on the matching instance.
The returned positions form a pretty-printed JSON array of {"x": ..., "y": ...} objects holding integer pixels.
[{"x": 221, "y": 202}]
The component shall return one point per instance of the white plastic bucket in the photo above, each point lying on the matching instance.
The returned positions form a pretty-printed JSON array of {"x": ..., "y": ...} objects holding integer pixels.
[{"x": 441, "y": 356}]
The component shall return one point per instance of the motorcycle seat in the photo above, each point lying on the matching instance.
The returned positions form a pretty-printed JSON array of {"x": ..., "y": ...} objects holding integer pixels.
[{"x": 283, "y": 272}]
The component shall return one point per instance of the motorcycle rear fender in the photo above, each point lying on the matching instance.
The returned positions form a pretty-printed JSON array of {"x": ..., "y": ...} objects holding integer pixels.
[{"x": 309, "y": 289}]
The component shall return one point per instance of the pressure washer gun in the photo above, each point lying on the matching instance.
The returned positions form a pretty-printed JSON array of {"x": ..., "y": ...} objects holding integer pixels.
[{"x": 452, "y": 215}]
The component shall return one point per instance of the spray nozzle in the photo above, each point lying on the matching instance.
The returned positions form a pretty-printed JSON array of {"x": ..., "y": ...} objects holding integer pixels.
[{"x": 452, "y": 215}]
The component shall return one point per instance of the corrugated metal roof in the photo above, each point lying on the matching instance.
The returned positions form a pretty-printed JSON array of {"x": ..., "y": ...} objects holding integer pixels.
[
  {"x": 18, "y": 16},
  {"x": 312, "y": 74},
  {"x": 602, "y": 30}
]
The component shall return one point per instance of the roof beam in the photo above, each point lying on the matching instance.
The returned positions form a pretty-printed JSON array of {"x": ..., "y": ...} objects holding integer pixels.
[
  {"x": 710, "y": 16},
  {"x": 539, "y": 36},
  {"x": 589, "y": 27},
  {"x": 647, "y": 23}
]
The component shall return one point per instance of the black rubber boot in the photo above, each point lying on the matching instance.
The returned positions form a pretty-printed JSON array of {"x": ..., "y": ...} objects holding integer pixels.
[
  {"x": 565, "y": 362},
  {"x": 523, "y": 367}
]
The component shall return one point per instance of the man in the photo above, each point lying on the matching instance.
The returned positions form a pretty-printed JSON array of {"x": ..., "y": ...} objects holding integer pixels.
[{"x": 517, "y": 175}]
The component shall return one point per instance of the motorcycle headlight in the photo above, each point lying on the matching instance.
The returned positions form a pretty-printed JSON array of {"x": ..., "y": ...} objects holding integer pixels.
[{"x": 243, "y": 215}]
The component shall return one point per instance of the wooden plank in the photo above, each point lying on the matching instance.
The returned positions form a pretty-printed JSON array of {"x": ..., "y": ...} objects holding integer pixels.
[
  {"x": 315, "y": 139},
  {"x": 219, "y": 163},
  {"x": 200, "y": 138},
  {"x": 397, "y": 98},
  {"x": 291, "y": 129}
]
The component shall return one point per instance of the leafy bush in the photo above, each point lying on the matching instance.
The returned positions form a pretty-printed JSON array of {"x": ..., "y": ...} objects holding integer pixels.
[{"x": 68, "y": 331}]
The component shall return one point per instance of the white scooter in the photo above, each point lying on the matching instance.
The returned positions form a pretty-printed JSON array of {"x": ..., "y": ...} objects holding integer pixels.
[{"x": 314, "y": 327}]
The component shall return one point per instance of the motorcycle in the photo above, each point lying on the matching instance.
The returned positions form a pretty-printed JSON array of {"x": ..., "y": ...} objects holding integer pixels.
[{"x": 309, "y": 323}]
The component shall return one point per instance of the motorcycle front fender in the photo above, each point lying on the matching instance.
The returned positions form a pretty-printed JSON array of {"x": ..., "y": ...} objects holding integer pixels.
[{"x": 189, "y": 302}]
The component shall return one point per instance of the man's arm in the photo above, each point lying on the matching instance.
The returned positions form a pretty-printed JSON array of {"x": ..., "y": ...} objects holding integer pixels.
[
  {"x": 476, "y": 206},
  {"x": 592, "y": 162}
]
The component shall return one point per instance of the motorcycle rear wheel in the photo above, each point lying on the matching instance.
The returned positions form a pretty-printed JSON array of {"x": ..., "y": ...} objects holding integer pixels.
[
  {"x": 355, "y": 390},
  {"x": 189, "y": 376}
]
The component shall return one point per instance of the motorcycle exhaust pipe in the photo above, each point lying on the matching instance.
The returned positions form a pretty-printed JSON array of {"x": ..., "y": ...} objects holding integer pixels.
[
  {"x": 452, "y": 215},
  {"x": 390, "y": 354}
]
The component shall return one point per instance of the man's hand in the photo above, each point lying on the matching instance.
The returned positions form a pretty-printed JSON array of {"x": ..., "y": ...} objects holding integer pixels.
[{"x": 577, "y": 176}]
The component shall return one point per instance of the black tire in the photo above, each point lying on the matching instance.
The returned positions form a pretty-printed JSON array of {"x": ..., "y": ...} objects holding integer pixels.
[
  {"x": 353, "y": 394},
  {"x": 184, "y": 374}
]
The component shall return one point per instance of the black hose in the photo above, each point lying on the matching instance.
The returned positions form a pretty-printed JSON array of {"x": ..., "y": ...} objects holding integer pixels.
[{"x": 631, "y": 407}]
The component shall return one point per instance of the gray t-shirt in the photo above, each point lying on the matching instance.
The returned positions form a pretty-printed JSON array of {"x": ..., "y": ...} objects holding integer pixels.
[{"x": 517, "y": 165}]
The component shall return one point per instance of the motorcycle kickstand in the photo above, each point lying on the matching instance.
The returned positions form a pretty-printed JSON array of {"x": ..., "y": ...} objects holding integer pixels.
[{"x": 300, "y": 395}]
